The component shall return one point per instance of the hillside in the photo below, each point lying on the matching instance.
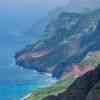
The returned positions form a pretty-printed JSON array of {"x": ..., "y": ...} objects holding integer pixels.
[
  {"x": 81, "y": 87},
  {"x": 67, "y": 40},
  {"x": 69, "y": 80}
]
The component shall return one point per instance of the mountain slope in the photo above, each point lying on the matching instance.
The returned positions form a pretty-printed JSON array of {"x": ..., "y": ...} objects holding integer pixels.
[
  {"x": 94, "y": 94},
  {"x": 81, "y": 87},
  {"x": 67, "y": 41},
  {"x": 70, "y": 78}
]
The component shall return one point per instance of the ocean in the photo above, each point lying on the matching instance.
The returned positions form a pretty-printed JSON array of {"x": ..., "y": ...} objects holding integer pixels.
[{"x": 16, "y": 82}]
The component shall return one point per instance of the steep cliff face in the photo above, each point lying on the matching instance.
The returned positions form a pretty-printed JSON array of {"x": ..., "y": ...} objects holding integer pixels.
[
  {"x": 85, "y": 87},
  {"x": 81, "y": 81},
  {"x": 67, "y": 40},
  {"x": 94, "y": 94}
]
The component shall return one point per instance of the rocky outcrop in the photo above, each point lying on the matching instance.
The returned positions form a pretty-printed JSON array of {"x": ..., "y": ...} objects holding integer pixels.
[
  {"x": 94, "y": 94},
  {"x": 90, "y": 64},
  {"x": 85, "y": 87}
]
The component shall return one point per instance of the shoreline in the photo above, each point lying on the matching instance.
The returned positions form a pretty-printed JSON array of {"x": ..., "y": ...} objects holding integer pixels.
[
  {"x": 54, "y": 80},
  {"x": 26, "y": 96}
]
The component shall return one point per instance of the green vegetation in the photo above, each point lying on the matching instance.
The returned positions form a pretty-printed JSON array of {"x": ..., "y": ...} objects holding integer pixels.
[
  {"x": 55, "y": 89},
  {"x": 92, "y": 58},
  {"x": 62, "y": 85}
]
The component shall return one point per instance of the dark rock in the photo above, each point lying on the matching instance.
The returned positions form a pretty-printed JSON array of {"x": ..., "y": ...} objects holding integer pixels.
[
  {"x": 81, "y": 87},
  {"x": 94, "y": 94}
]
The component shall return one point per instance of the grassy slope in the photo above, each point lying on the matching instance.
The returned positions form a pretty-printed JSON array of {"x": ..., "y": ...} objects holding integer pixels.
[
  {"x": 59, "y": 87},
  {"x": 62, "y": 85},
  {"x": 92, "y": 58}
]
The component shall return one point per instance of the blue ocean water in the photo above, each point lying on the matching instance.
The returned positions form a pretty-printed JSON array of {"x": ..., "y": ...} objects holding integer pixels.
[
  {"x": 15, "y": 82},
  {"x": 13, "y": 91},
  {"x": 16, "y": 19},
  {"x": 16, "y": 90}
]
